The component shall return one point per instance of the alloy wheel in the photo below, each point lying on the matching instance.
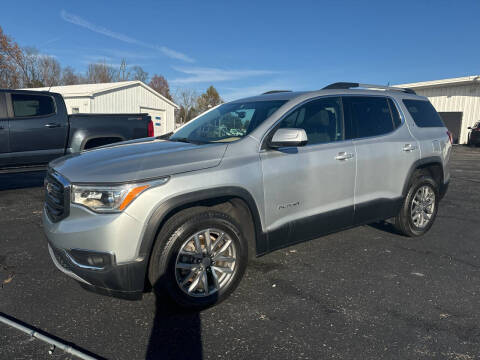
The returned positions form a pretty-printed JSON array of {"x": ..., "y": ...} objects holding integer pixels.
[
  {"x": 423, "y": 206},
  {"x": 206, "y": 263}
]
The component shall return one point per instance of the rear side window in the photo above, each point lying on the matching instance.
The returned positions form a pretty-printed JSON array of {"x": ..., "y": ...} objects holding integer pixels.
[
  {"x": 3, "y": 106},
  {"x": 423, "y": 113},
  {"x": 372, "y": 116},
  {"x": 26, "y": 105}
]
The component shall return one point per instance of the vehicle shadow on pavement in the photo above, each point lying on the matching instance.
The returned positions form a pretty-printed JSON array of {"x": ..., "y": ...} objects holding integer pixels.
[
  {"x": 385, "y": 226},
  {"x": 21, "y": 180},
  {"x": 176, "y": 332}
]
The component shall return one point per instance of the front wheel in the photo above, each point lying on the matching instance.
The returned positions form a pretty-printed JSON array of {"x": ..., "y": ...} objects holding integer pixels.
[
  {"x": 199, "y": 258},
  {"x": 420, "y": 207}
]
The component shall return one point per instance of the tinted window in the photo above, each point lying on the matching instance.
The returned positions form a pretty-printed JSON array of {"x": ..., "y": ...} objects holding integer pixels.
[
  {"x": 25, "y": 105},
  {"x": 3, "y": 106},
  {"x": 321, "y": 119},
  {"x": 395, "y": 115},
  {"x": 371, "y": 115},
  {"x": 423, "y": 113}
]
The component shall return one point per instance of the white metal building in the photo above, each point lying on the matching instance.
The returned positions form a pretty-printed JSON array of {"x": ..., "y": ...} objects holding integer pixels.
[
  {"x": 119, "y": 97},
  {"x": 457, "y": 100}
]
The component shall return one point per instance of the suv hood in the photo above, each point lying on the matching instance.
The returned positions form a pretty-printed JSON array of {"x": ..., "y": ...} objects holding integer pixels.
[{"x": 137, "y": 160}]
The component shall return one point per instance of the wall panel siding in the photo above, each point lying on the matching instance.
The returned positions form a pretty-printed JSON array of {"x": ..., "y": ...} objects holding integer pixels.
[
  {"x": 464, "y": 98},
  {"x": 130, "y": 100},
  {"x": 83, "y": 104}
]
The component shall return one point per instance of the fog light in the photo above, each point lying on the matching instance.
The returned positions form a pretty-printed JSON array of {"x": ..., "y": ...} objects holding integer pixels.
[{"x": 90, "y": 259}]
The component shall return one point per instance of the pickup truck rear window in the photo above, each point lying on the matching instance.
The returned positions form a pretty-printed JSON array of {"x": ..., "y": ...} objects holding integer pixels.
[
  {"x": 26, "y": 105},
  {"x": 423, "y": 113}
]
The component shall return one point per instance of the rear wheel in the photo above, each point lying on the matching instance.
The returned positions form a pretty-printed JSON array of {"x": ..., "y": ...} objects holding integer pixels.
[
  {"x": 420, "y": 207},
  {"x": 199, "y": 258}
]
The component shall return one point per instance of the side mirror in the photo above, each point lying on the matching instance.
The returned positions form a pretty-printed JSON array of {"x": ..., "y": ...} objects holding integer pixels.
[{"x": 288, "y": 137}]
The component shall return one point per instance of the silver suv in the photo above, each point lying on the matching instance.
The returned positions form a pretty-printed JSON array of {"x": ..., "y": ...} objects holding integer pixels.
[{"x": 184, "y": 212}]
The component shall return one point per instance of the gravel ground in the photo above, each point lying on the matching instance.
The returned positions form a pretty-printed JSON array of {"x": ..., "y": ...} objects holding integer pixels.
[{"x": 365, "y": 293}]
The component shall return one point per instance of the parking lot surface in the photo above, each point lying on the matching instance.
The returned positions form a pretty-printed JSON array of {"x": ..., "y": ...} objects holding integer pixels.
[{"x": 365, "y": 293}]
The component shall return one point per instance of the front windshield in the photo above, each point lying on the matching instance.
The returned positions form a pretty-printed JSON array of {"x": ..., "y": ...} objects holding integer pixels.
[{"x": 228, "y": 122}]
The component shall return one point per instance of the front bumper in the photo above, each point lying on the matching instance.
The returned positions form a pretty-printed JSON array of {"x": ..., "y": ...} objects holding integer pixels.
[
  {"x": 126, "y": 280},
  {"x": 114, "y": 237}
]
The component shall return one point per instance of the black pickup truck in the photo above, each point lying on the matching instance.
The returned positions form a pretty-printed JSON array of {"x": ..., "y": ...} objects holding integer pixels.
[{"x": 35, "y": 128}]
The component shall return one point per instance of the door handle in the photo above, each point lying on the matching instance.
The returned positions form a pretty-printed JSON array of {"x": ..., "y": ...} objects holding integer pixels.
[
  {"x": 409, "y": 147},
  {"x": 52, "y": 125},
  {"x": 343, "y": 155}
]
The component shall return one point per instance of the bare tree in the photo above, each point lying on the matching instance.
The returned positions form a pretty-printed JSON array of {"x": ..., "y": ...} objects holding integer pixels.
[
  {"x": 10, "y": 57},
  {"x": 160, "y": 84},
  {"x": 101, "y": 73},
  {"x": 69, "y": 77},
  {"x": 138, "y": 73},
  {"x": 50, "y": 70},
  {"x": 187, "y": 99},
  {"x": 30, "y": 66}
]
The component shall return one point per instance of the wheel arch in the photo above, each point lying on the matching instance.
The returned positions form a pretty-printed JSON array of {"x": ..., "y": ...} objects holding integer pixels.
[
  {"x": 239, "y": 198},
  {"x": 431, "y": 164}
]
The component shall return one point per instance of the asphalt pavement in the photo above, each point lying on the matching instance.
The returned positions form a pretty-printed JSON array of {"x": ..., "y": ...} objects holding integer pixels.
[{"x": 364, "y": 293}]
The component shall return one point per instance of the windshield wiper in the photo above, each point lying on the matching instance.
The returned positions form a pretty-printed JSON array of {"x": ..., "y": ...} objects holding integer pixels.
[{"x": 187, "y": 140}]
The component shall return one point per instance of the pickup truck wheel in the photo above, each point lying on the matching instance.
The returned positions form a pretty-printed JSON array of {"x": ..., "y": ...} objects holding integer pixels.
[
  {"x": 198, "y": 259},
  {"x": 420, "y": 206}
]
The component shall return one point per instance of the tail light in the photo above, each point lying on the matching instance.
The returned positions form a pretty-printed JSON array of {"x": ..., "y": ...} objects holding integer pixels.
[
  {"x": 150, "y": 129},
  {"x": 450, "y": 137}
]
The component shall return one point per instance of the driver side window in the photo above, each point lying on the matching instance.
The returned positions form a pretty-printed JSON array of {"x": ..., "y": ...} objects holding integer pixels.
[{"x": 321, "y": 119}]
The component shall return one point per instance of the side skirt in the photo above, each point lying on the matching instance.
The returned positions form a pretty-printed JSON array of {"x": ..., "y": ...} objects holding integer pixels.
[{"x": 319, "y": 225}]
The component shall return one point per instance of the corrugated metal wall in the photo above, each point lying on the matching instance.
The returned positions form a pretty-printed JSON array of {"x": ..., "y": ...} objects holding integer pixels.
[
  {"x": 464, "y": 98},
  {"x": 130, "y": 100},
  {"x": 82, "y": 103}
]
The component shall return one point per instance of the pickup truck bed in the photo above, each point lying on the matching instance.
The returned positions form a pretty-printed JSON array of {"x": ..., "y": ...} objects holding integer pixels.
[{"x": 35, "y": 128}]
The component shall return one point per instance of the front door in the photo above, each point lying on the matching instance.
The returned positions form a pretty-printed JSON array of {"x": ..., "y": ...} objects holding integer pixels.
[
  {"x": 309, "y": 190},
  {"x": 4, "y": 140},
  {"x": 38, "y": 132}
]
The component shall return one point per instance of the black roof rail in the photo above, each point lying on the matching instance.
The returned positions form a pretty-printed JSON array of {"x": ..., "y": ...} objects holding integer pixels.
[
  {"x": 349, "y": 85},
  {"x": 275, "y": 91}
]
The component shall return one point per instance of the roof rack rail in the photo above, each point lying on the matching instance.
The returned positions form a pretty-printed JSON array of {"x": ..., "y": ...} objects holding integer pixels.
[
  {"x": 349, "y": 85},
  {"x": 275, "y": 91}
]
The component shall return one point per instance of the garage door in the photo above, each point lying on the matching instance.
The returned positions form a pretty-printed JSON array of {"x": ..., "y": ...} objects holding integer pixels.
[
  {"x": 159, "y": 120},
  {"x": 453, "y": 122}
]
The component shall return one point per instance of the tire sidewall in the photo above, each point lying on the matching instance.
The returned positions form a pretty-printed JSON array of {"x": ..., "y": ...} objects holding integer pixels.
[
  {"x": 164, "y": 259},
  {"x": 421, "y": 181}
]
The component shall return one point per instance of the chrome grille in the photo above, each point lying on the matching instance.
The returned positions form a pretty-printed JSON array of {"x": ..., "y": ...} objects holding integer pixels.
[{"x": 57, "y": 193}]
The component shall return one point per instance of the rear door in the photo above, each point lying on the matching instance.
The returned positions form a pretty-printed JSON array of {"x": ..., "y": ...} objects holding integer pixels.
[
  {"x": 385, "y": 151},
  {"x": 38, "y": 130},
  {"x": 4, "y": 140}
]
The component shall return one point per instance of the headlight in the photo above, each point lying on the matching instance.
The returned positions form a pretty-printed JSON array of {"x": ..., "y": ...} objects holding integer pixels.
[{"x": 110, "y": 198}]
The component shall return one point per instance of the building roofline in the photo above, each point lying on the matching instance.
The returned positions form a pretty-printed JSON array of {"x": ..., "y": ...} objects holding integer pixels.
[
  {"x": 118, "y": 85},
  {"x": 442, "y": 82}
]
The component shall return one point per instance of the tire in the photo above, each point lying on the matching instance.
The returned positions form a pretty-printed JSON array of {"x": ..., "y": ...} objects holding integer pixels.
[
  {"x": 408, "y": 221},
  {"x": 176, "y": 248}
]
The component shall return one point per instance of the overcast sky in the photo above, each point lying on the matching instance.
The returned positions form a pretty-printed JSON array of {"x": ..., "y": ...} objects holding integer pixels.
[{"x": 247, "y": 47}]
